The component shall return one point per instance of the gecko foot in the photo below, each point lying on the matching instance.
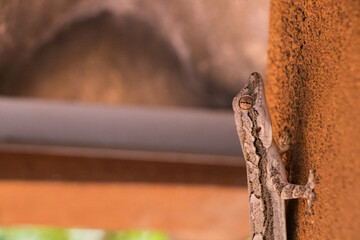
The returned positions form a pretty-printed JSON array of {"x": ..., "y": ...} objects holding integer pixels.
[
  {"x": 310, "y": 194},
  {"x": 284, "y": 140}
]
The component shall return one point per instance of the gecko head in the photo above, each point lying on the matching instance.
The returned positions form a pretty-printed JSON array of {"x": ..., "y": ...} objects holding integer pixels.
[{"x": 250, "y": 105}]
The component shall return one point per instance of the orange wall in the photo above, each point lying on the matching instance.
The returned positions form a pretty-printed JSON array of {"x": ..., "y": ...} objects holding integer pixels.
[{"x": 313, "y": 88}]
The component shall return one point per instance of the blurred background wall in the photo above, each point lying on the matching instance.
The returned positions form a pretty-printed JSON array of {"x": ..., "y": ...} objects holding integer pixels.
[
  {"x": 132, "y": 52},
  {"x": 186, "y": 53}
]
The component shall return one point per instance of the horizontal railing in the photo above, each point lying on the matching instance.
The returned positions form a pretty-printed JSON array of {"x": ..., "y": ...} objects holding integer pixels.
[{"x": 155, "y": 134}]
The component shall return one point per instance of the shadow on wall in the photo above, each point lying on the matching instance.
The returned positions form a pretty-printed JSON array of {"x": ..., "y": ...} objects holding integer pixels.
[{"x": 134, "y": 52}]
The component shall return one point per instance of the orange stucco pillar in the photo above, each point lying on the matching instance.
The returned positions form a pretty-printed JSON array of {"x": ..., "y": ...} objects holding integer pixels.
[{"x": 313, "y": 89}]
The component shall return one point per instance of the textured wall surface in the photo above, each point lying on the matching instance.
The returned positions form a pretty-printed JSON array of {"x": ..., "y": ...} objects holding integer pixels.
[{"x": 313, "y": 88}]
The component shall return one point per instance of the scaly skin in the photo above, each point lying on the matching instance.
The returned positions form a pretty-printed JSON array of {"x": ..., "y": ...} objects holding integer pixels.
[{"x": 267, "y": 182}]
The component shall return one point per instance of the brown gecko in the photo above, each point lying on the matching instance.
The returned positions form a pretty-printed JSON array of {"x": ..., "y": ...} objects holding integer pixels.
[{"x": 267, "y": 182}]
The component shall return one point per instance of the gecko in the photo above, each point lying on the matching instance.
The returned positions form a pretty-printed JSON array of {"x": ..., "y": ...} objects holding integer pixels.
[{"x": 266, "y": 176}]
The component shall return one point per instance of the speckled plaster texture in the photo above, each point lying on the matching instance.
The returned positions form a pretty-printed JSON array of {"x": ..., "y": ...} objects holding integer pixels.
[{"x": 313, "y": 88}]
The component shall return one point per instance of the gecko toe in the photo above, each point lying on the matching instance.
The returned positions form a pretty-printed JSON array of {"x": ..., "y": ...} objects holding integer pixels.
[
  {"x": 308, "y": 211},
  {"x": 317, "y": 180},
  {"x": 310, "y": 204},
  {"x": 313, "y": 196},
  {"x": 311, "y": 180}
]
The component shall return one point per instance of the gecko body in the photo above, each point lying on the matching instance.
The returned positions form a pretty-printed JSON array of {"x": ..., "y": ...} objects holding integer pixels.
[{"x": 267, "y": 182}]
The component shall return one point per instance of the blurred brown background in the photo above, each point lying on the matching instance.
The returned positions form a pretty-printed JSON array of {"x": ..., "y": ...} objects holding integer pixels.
[
  {"x": 126, "y": 52},
  {"x": 188, "y": 53}
]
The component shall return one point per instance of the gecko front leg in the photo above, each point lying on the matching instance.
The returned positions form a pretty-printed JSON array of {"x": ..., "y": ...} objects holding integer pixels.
[{"x": 287, "y": 190}]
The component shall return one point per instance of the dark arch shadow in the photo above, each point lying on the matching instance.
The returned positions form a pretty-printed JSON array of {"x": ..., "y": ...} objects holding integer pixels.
[{"x": 139, "y": 59}]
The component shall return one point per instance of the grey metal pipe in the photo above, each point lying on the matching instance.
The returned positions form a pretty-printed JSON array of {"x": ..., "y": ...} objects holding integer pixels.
[{"x": 127, "y": 128}]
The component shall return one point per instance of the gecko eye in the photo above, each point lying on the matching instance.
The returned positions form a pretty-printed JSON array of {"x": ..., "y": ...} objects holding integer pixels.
[{"x": 246, "y": 103}]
